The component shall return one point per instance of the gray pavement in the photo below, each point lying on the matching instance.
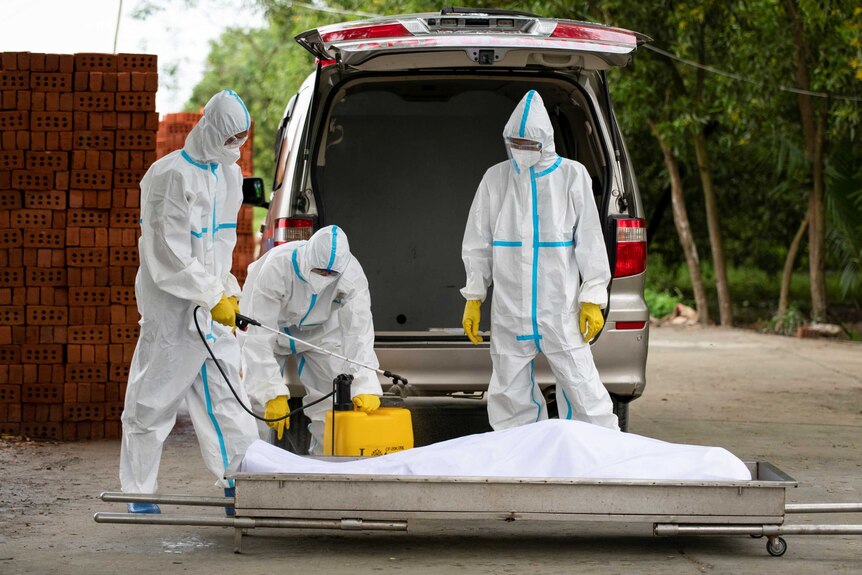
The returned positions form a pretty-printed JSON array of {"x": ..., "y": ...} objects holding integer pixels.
[{"x": 795, "y": 403}]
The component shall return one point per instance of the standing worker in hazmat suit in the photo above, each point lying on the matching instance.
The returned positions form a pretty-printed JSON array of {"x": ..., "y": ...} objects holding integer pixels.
[
  {"x": 315, "y": 291},
  {"x": 189, "y": 204},
  {"x": 534, "y": 231}
]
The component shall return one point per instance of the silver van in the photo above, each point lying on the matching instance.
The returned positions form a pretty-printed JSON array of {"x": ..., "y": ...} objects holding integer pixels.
[{"x": 389, "y": 137}]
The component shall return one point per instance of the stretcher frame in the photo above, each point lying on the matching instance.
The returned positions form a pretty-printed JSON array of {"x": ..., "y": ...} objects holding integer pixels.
[{"x": 756, "y": 508}]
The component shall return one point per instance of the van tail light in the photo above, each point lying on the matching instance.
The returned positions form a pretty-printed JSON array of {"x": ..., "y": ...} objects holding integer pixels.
[
  {"x": 292, "y": 229},
  {"x": 601, "y": 34},
  {"x": 389, "y": 30},
  {"x": 631, "y": 253},
  {"x": 630, "y": 324}
]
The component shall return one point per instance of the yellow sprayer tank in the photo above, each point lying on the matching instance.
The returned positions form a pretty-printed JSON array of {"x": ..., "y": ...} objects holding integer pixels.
[{"x": 387, "y": 430}]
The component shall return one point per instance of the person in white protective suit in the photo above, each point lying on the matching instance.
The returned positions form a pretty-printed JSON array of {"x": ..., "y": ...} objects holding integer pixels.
[
  {"x": 189, "y": 204},
  {"x": 534, "y": 231},
  {"x": 315, "y": 291}
]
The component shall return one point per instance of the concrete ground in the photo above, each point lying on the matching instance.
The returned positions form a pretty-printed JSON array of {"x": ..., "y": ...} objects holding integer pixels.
[{"x": 795, "y": 403}]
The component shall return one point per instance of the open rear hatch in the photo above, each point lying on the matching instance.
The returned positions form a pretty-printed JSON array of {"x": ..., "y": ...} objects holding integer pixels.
[{"x": 462, "y": 37}]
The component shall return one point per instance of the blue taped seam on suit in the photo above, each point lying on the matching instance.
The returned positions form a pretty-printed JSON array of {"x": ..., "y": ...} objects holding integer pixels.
[
  {"x": 533, "y": 389},
  {"x": 296, "y": 267},
  {"x": 528, "y": 337},
  {"x": 526, "y": 112},
  {"x": 534, "y": 303},
  {"x": 301, "y": 365},
  {"x": 556, "y": 244},
  {"x": 189, "y": 159},
  {"x": 504, "y": 244},
  {"x": 213, "y": 418},
  {"x": 568, "y": 404},
  {"x": 332, "y": 251},
  {"x": 311, "y": 307},
  {"x": 292, "y": 343},
  {"x": 244, "y": 109},
  {"x": 551, "y": 168}
]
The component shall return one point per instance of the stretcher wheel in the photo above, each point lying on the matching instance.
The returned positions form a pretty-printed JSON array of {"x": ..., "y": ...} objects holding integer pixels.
[
  {"x": 753, "y": 536},
  {"x": 777, "y": 546}
]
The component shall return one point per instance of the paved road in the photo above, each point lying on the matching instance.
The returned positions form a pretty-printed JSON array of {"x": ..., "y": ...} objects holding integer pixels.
[{"x": 795, "y": 403}]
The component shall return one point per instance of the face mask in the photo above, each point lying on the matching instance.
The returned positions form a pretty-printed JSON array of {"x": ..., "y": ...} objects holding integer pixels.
[
  {"x": 525, "y": 158},
  {"x": 228, "y": 155},
  {"x": 319, "y": 283}
]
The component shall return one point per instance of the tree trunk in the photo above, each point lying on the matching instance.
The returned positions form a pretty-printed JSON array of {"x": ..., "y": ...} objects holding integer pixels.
[
  {"x": 817, "y": 229},
  {"x": 813, "y": 127},
  {"x": 725, "y": 308},
  {"x": 683, "y": 229},
  {"x": 787, "y": 275}
]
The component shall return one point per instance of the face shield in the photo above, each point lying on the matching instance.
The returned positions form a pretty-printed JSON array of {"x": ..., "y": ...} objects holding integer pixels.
[{"x": 523, "y": 152}]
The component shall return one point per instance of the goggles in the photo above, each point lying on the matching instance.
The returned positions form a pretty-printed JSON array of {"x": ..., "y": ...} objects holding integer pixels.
[
  {"x": 324, "y": 272},
  {"x": 235, "y": 142},
  {"x": 522, "y": 144}
]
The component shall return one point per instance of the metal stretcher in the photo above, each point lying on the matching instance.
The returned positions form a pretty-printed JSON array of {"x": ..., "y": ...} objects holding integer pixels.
[{"x": 302, "y": 501}]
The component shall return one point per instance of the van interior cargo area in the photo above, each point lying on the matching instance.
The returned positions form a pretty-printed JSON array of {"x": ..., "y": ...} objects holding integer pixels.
[{"x": 413, "y": 152}]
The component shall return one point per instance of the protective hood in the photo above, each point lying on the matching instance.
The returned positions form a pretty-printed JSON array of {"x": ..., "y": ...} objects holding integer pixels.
[
  {"x": 327, "y": 249},
  {"x": 530, "y": 121},
  {"x": 224, "y": 116}
]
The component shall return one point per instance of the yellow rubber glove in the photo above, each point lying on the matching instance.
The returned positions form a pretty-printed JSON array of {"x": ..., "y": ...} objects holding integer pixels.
[
  {"x": 591, "y": 320},
  {"x": 223, "y": 312},
  {"x": 277, "y": 408},
  {"x": 470, "y": 322},
  {"x": 235, "y": 303},
  {"x": 366, "y": 402}
]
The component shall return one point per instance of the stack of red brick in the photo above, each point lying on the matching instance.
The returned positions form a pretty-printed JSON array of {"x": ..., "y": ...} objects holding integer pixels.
[
  {"x": 78, "y": 133},
  {"x": 173, "y": 130}
]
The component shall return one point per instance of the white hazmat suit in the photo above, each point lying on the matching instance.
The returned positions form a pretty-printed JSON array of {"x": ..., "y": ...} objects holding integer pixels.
[
  {"x": 332, "y": 313},
  {"x": 189, "y": 204},
  {"x": 534, "y": 231}
]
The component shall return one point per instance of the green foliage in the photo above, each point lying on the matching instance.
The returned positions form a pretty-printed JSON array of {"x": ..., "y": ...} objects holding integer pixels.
[
  {"x": 661, "y": 303},
  {"x": 786, "y": 323}
]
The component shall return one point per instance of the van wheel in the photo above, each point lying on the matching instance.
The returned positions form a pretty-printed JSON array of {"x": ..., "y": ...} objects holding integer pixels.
[
  {"x": 621, "y": 409},
  {"x": 297, "y": 439}
]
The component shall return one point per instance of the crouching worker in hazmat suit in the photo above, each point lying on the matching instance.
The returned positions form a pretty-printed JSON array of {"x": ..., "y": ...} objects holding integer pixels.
[
  {"x": 315, "y": 291},
  {"x": 189, "y": 204},
  {"x": 534, "y": 231}
]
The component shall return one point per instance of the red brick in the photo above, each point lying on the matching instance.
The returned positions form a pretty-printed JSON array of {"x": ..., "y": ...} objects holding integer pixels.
[
  {"x": 97, "y": 140},
  {"x": 106, "y": 160},
  {"x": 95, "y": 84},
  {"x": 67, "y": 64},
  {"x": 12, "y": 160},
  {"x": 47, "y": 161},
  {"x": 91, "y": 179},
  {"x": 37, "y": 62},
  {"x": 9, "y": 61},
  {"x": 89, "y": 296},
  {"x": 109, "y": 81},
  {"x": 128, "y": 178},
  {"x": 137, "y": 62},
  {"x": 136, "y": 102},
  {"x": 24, "y": 101},
  {"x": 42, "y": 430},
  {"x": 10, "y": 238},
  {"x": 17, "y": 120},
  {"x": 9, "y": 100},
  {"x": 16, "y": 80},
  {"x": 94, "y": 101},
  {"x": 77, "y": 373},
  {"x": 11, "y": 277},
  {"x": 47, "y": 238},
  {"x": 50, "y": 121},
  {"x": 46, "y": 277},
  {"x": 119, "y": 374},
  {"x": 47, "y": 200},
  {"x": 52, "y": 102},
  {"x": 90, "y": 334},
  {"x": 87, "y": 257},
  {"x": 135, "y": 140},
  {"x": 10, "y": 394},
  {"x": 23, "y": 60},
  {"x": 42, "y": 354},
  {"x": 88, "y": 62},
  {"x": 47, "y": 315},
  {"x": 32, "y": 180},
  {"x": 31, "y": 218},
  {"x": 124, "y": 119},
  {"x": 88, "y": 218},
  {"x": 10, "y": 354},
  {"x": 109, "y": 120}
]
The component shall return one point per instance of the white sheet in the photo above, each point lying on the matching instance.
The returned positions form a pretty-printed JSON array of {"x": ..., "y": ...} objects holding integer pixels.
[{"x": 547, "y": 449}]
